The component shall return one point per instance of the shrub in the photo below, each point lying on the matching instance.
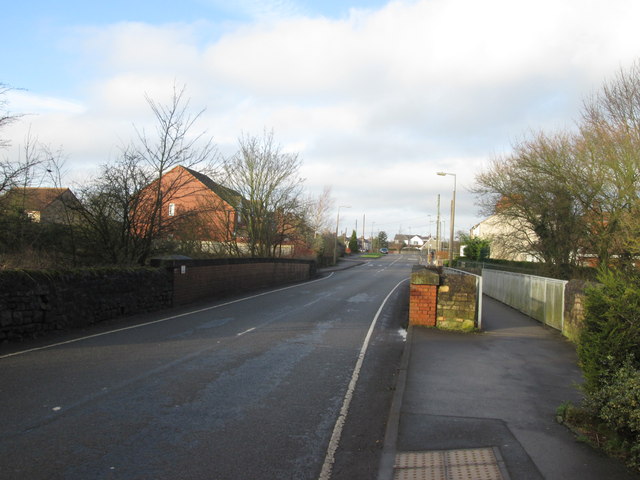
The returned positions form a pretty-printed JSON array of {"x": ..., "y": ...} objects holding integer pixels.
[
  {"x": 611, "y": 330},
  {"x": 609, "y": 353},
  {"x": 477, "y": 249},
  {"x": 618, "y": 401},
  {"x": 617, "y": 404}
]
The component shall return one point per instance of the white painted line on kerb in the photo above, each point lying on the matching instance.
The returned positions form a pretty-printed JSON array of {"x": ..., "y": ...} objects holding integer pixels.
[
  {"x": 164, "y": 319},
  {"x": 325, "y": 473}
]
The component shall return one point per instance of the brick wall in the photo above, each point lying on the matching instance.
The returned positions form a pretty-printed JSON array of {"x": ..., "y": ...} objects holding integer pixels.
[
  {"x": 423, "y": 292},
  {"x": 195, "y": 280},
  {"x": 423, "y": 305}
]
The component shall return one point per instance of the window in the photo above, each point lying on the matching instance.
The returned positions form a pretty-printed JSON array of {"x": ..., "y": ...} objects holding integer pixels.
[
  {"x": 172, "y": 209},
  {"x": 33, "y": 215}
]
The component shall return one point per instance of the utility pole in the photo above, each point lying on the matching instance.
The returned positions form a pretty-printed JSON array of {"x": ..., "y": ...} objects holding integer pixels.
[
  {"x": 438, "y": 230},
  {"x": 453, "y": 215},
  {"x": 373, "y": 224},
  {"x": 335, "y": 245}
]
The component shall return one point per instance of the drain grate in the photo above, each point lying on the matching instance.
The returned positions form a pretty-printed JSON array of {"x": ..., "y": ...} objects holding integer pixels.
[{"x": 468, "y": 464}]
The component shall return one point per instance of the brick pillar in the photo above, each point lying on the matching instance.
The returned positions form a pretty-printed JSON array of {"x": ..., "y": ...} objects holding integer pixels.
[{"x": 423, "y": 296}]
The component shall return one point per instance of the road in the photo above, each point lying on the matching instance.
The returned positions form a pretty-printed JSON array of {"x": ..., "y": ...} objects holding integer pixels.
[{"x": 291, "y": 383}]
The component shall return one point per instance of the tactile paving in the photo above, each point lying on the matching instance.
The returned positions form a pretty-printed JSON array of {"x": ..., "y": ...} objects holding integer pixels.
[
  {"x": 419, "y": 459},
  {"x": 464, "y": 464},
  {"x": 435, "y": 473},
  {"x": 470, "y": 456}
]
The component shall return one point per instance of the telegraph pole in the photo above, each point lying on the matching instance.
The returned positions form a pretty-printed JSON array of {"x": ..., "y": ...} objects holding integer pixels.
[{"x": 438, "y": 231}]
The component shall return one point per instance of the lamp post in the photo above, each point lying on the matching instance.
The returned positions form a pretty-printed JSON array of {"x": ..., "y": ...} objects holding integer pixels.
[
  {"x": 453, "y": 215},
  {"x": 335, "y": 245}
]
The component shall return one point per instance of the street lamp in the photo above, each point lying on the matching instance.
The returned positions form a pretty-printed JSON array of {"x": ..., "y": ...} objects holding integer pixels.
[
  {"x": 453, "y": 215},
  {"x": 335, "y": 245}
]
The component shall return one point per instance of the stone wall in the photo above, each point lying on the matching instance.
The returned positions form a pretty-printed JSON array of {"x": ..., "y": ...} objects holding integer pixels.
[
  {"x": 574, "y": 298},
  {"x": 457, "y": 305},
  {"x": 33, "y": 303}
]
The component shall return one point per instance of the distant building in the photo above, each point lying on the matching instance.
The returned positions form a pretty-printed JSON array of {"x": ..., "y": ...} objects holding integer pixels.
[
  {"x": 41, "y": 205},
  {"x": 417, "y": 241},
  {"x": 509, "y": 239}
]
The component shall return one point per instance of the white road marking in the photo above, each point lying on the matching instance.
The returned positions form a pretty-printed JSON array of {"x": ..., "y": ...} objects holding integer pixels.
[
  {"x": 246, "y": 331},
  {"x": 162, "y": 319},
  {"x": 325, "y": 473},
  {"x": 395, "y": 260}
]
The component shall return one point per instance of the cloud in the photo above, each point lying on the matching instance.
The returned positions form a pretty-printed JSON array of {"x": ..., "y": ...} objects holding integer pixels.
[
  {"x": 26, "y": 103},
  {"x": 376, "y": 101}
]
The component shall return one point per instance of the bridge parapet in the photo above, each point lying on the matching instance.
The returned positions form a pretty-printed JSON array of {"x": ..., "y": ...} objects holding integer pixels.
[{"x": 446, "y": 300}]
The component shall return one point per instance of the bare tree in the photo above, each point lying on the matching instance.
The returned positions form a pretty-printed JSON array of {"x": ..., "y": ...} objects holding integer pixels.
[
  {"x": 575, "y": 194},
  {"x": 317, "y": 220},
  {"x": 268, "y": 181},
  {"x": 318, "y": 211},
  {"x": 610, "y": 180},
  {"x": 6, "y": 117},
  {"x": 14, "y": 172},
  {"x": 528, "y": 189},
  {"x": 126, "y": 206}
]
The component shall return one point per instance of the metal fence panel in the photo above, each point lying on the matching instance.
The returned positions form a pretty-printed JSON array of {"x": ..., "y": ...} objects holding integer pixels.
[{"x": 539, "y": 297}]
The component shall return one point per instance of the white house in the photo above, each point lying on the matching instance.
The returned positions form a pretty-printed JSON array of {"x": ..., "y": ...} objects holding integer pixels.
[
  {"x": 510, "y": 240},
  {"x": 411, "y": 240}
]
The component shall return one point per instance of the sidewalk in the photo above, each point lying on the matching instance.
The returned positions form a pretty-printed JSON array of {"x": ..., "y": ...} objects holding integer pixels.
[
  {"x": 343, "y": 263},
  {"x": 482, "y": 406}
]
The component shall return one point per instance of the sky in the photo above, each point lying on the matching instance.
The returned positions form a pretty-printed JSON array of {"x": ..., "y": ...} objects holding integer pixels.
[{"x": 375, "y": 96}]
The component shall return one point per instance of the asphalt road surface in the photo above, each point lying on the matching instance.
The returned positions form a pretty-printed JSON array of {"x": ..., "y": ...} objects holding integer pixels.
[{"x": 291, "y": 383}]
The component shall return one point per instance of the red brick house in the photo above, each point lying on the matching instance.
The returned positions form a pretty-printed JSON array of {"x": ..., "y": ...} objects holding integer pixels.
[{"x": 192, "y": 207}]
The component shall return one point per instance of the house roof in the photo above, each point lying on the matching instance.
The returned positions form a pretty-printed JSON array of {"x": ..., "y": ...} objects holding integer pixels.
[
  {"x": 232, "y": 197},
  {"x": 406, "y": 237},
  {"x": 33, "y": 198}
]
